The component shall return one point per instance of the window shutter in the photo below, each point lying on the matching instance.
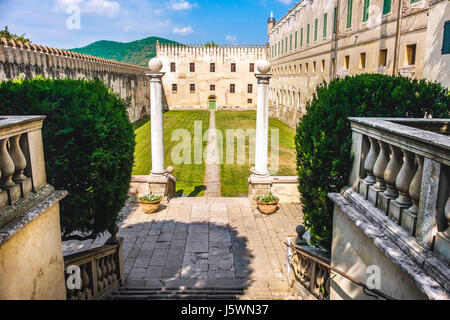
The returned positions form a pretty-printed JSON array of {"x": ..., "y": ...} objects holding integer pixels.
[
  {"x": 349, "y": 13},
  {"x": 316, "y": 25},
  {"x": 387, "y": 6},
  {"x": 446, "y": 40},
  {"x": 366, "y": 10},
  {"x": 301, "y": 37},
  {"x": 325, "y": 21},
  {"x": 335, "y": 20}
]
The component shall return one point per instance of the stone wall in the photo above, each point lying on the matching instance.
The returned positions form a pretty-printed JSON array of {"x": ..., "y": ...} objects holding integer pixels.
[{"x": 27, "y": 61}]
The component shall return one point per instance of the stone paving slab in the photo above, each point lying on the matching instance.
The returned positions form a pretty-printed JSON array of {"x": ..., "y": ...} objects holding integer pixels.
[{"x": 205, "y": 241}]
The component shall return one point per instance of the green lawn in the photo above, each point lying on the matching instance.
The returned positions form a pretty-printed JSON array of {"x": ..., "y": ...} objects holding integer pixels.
[
  {"x": 188, "y": 172},
  {"x": 234, "y": 177}
]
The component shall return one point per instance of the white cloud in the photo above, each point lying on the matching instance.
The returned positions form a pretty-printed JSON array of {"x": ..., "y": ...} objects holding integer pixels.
[
  {"x": 183, "y": 31},
  {"x": 231, "y": 39},
  {"x": 157, "y": 12},
  {"x": 107, "y": 8},
  {"x": 180, "y": 5}
]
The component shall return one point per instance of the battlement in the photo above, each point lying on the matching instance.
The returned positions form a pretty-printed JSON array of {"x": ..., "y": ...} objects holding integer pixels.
[
  {"x": 164, "y": 49},
  {"x": 17, "y": 52}
]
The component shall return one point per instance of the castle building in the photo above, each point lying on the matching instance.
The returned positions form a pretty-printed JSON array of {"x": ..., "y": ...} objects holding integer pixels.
[
  {"x": 209, "y": 77},
  {"x": 319, "y": 40}
]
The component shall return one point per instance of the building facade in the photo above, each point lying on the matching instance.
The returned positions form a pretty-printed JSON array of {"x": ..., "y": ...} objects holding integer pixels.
[
  {"x": 209, "y": 77},
  {"x": 320, "y": 40}
]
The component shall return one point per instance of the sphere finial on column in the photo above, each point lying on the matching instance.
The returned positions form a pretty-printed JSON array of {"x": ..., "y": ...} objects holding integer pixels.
[
  {"x": 263, "y": 66},
  {"x": 155, "y": 64}
]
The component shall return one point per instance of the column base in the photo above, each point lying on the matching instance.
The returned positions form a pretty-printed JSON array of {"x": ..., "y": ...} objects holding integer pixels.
[
  {"x": 259, "y": 186},
  {"x": 396, "y": 211},
  {"x": 373, "y": 195},
  {"x": 384, "y": 202},
  {"x": 364, "y": 188},
  {"x": 162, "y": 185},
  {"x": 442, "y": 246}
]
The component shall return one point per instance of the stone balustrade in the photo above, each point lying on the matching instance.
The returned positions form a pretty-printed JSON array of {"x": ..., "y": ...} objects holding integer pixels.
[
  {"x": 100, "y": 271},
  {"x": 22, "y": 167},
  {"x": 402, "y": 167}
]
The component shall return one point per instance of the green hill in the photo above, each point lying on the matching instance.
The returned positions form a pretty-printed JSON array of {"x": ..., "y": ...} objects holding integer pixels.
[{"x": 136, "y": 52}]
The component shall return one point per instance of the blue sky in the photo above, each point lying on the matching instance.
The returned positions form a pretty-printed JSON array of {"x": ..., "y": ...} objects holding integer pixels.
[{"x": 55, "y": 22}]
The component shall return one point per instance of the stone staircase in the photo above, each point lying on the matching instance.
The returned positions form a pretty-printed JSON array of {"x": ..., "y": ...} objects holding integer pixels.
[{"x": 211, "y": 289}]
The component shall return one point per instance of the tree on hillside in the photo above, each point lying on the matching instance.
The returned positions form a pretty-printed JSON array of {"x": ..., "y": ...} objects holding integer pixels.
[
  {"x": 210, "y": 44},
  {"x": 11, "y": 36}
]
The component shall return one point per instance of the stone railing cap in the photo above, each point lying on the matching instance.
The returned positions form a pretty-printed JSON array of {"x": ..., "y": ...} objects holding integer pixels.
[{"x": 10, "y": 121}]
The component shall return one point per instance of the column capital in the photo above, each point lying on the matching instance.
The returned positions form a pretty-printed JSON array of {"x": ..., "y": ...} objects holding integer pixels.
[
  {"x": 263, "y": 78},
  {"x": 155, "y": 75}
]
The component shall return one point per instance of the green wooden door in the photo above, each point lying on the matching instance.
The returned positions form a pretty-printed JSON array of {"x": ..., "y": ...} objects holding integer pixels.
[{"x": 212, "y": 104}]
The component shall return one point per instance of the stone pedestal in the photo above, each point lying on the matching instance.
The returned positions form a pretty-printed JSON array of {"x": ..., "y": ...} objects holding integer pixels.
[
  {"x": 396, "y": 211},
  {"x": 364, "y": 188},
  {"x": 163, "y": 185},
  {"x": 442, "y": 246},
  {"x": 373, "y": 194},
  {"x": 259, "y": 186},
  {"x": 383, "y": 202}
]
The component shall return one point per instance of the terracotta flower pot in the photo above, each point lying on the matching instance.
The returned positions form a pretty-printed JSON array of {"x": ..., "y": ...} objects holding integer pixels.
[
  {"x": 150, "y": 207},
  {"x": 267, "y": 208}
]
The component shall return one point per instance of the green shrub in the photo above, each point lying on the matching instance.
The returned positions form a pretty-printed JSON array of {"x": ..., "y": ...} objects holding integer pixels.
[
  {"x": 324, "y": 140},
  {"x": 88, "y": 145}
]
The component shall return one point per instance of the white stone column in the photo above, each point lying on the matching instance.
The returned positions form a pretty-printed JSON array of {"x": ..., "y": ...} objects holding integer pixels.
[
  {"x": 262, "y": 126},
  {"x": 260, "y": 182},
  {"x": 160, "y": 182},
  {"x": 157, "y": 128}
]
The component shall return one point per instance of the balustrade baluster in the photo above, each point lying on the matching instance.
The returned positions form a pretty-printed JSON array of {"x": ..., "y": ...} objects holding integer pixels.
[
  {"x": 99, "y": 275},
  {"x": 108, "y": 269},
  {"x": 369, "y": 164},
  {"x": 104, "y": 273},
  {"x": 114, "y": 268},
  {"x": 409, "y": 221},
  {"x": 390, "y": 177},
  {"x": 403, "y": 183},
  {"x": 85, "y": 286},
  {"x": 379, "y": 169},
  {"x": 6, "y": 166},
  {"x": 18, "y": 159}
]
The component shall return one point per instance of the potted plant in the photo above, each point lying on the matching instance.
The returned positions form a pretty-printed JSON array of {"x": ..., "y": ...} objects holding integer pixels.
[
  {"x": 267, "y": 204},
  {"x": 150, "y": 203}
]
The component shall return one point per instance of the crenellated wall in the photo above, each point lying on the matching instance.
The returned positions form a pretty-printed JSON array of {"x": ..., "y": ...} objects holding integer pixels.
[{"x": 19, "y": 60}]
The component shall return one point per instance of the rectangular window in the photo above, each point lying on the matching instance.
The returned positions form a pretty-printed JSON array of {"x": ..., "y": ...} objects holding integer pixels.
[
  {"x": 233, "y": 67},
  {"x": 314, "y": 67},
  {"x": 192, "y": 67},
  {"x": 250, "y": 88},
  {"x": 192, "y": 87},
  {"x": 349, "y": 13},
  {"x": 232, "y": 88},
  {"x": 301, "y": 37},
  {"x": 323, "y": 66},
  {"x": 212, "y": 87},
  {"x": 308, "y": 31},
  {"x": 249, "y": 101},
  {"x": 307, "y": 67},
  {"x": 362, "y": 60},
  {"x": 286, "y": 43},
  {"x": 387, "y": 5},
  {"x": 290, "y": 43},
  {"x": 411, "y": 54},
  {"x": 325, "y": 22},
  {"x": 173, "y": 67},
  {"x": 347, "y": 62},
  {"x": 296, "y": 38},
  {"x": 174, "y": 88},
  {"x": 446, "y": 40},
  {"x": 382, "y": 60},
  {"x": 279, "y": 48},
  {"x": 252, "y": 67},
  {"x": 316, "y": 26},
  {"x": 212, "y": 67},
  {"x": 282, "y": 46},
  {"x": 335, "y": 20},
  {"x": 300, "y": 69},
  {"x": 366, "y": 10}
]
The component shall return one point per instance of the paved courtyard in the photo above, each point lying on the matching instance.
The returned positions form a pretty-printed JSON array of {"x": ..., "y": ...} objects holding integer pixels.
[{"x": 205, "y": 240}]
